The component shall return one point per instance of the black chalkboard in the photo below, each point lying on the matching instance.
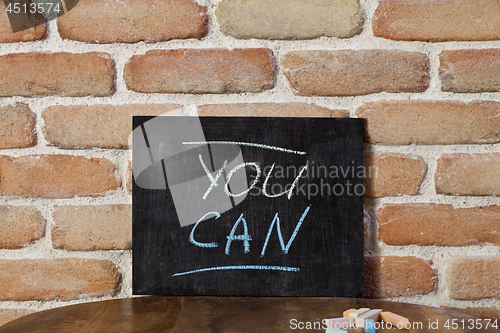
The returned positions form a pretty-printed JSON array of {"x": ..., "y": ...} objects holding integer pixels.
[{"x": 308, "y": 241}]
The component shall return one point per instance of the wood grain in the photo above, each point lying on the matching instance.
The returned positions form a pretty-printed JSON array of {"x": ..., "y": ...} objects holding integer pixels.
[{"x": 218, "y": 315}]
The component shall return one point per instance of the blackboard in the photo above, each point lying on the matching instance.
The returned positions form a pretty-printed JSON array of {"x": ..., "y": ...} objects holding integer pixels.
[{"x": 281, "y": 213}]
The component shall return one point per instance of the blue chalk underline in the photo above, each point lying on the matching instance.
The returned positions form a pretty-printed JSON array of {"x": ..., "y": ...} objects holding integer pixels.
[{"x": 256, "y": 267}]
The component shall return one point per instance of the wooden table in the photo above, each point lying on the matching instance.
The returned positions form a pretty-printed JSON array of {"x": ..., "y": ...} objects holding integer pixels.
[{"x": 221, "y": 315}]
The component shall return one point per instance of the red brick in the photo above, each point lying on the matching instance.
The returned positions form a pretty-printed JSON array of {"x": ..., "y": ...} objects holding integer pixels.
[
  {"x": 17, "y": 127},
  {"x": 7, "y": 315},
  {"x": 429, "y": 224},
  {"x": 468, "y": 174},
  {"x": 469, "y": 278},
  {"x": 437, "y": 20},
  {"x": 102, "y": 126},
  {"x": 201, "y": 71},
  {"x": 21, "y": 23},
  {"x": 470, "y": 71},
  {"x": 63, "y": 279},
  {"x": 479, "y": 312},
  {"x": 431, "y": 122},
  {"x": 269, "y": 110},
  {"x": 391, "y": 276},
  {"x": 283, "y": 19},
  {"x": 56, "y": 176},
  {"x": 20, "y": 226},
  {"x": 129, "y": 178},
  {"x": 90, "y": 228},
  {"x": 350, "y": 72},
  {"x": 130, "y": 21},
  {"x": 38, "y": 74},
  {"x": 368, "y": 231},
  {"x": 391, "y": 174}
]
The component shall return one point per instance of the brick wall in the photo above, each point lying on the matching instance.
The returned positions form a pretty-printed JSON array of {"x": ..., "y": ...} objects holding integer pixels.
[{"x": 424, "y": 74}]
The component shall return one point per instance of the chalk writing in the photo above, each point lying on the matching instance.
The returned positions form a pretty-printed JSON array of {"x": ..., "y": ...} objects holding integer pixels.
[
  {"x": 276, "y": 221},
  {"x": 213, "y": 180},
  {"x": 236, "y": 168},
  {"x": 223, "y": 268},
  {"x": 191, "y": 235},
  {"x": 245, "y": 237},
  {"x": 249, "y": 144},
  {"x": 287, "y": 190}
]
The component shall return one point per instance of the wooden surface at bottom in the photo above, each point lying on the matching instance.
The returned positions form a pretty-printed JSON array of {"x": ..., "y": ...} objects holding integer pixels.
[{"x": 226, "y": 314}]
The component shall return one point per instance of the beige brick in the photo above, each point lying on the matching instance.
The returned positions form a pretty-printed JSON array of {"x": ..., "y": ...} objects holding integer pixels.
[
  {"x": 20, "y": 225},
  {"x": 90, "y": 228},
  {"x": 131, "y": 21},
  {"x": 290, "y": 19},
  {"x": 102, "y": 126},
  {"x": 391, "y": 174},
  {"x": 469, "y": 278},
  {"x": 470, "y": 71},
  {"x": 269, "y": 110},
  {"x": 56, "y": 176},
  {"x": 63, "y": 279},
  {"x": 427, "y": 224},
  {"x": 362, "y": 72},
  {"x": 21, "y": 21},
  {"x": 17, "y": 127},
  {"x": 7, "y": 315},
  {"x": 431, "y": 122},
  {"x": 479, "y": 312},
  {"x": 437, "y": 20},
  {"x": 201, "y": 71},
  {"x": 38, "y": 74},
  {"x": 468, "y": 174},
  {"x": 391, "y": 276}
]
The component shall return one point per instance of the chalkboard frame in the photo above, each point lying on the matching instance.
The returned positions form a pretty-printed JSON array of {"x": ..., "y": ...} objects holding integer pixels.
[{"x": 159, "y": 242}]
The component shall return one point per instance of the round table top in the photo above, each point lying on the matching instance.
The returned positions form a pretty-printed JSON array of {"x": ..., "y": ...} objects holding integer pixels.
[{"x": 230, "y": 314}]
